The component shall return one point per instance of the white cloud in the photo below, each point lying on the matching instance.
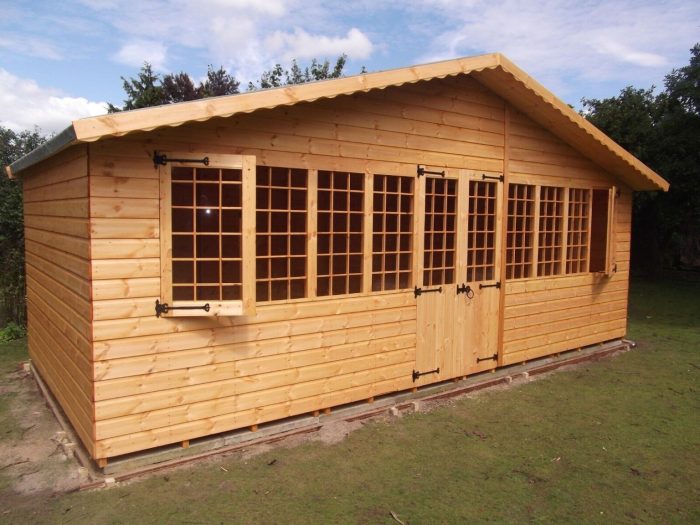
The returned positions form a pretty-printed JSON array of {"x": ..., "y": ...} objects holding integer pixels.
[
  {"x": 245, "y": 36},
  {"x": 562, "y": 41},
  {"x": 24, "y": 104},
  {"x": 302, "y": 45},
  {"x": 136, "y": 52},
  {"x": 30, "y": 46},
  {"x": 623, "y": 53}
]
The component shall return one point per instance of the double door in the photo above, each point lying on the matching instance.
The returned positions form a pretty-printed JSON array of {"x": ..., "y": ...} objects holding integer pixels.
[{"x": 458, "y": 296}]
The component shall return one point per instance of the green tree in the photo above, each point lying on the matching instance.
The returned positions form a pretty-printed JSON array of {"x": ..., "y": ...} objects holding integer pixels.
[
  {"x": 663, "y": 131},
  {"x": 150, "y": 89},
  {"x": 12, "y": 284},
  {"x": 144, "y": 91},
  {"x": 179, "y": 88},
  {"x": 278, "y": 76},
  {"x": 218, "y": 83}
]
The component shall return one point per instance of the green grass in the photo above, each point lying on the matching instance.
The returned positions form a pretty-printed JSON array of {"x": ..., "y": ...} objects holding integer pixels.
[
  {"x": 12, "y": 353},
  {"x": 610, "y": 442}
]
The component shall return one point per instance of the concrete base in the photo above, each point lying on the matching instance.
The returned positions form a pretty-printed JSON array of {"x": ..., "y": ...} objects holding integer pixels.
[{"x": 133, "y": 465}]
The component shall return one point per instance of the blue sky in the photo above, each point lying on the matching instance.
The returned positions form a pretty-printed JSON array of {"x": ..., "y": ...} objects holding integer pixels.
[{"x": 61, "y": 61}]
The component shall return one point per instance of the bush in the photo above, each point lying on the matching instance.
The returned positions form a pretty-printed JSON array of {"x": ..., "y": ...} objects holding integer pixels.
[{"x": 11, "y": 332}]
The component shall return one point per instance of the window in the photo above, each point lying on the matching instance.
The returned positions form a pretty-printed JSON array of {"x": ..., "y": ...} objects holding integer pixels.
[
  {"x": 481, "y": 239},
  {"x": 206, "y": 235},
  {"x": 577, "y": 231},
  {"x": 340, "y": 217},
  {"x": 440, "y": 231},
  {"x": 392, "y": 232},
  {"x": 280, "y": 240},
  {"x": 551, "y": 234},
  {"x": 521, "y": 231},
  {"x": 603, "y": 231}
]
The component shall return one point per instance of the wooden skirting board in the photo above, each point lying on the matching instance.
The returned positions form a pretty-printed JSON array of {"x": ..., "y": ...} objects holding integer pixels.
[{"x": 142, "y": 463}]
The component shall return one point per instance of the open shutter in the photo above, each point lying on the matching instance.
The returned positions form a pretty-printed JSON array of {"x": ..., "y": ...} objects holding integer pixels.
[
  {"x": 610, "y": 264},
  {"x": 207, "y": 234}
]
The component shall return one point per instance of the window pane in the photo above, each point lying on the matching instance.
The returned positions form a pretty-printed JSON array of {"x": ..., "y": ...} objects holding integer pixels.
[
  {"x": 214, "y": 243},
  {"x": 520, "y": 231},
  {"x": 551, "y": 231},
  {"x": 577, "y": 231},
  {"x": 392, "y": 229},
  {"x": 281, "y": 234},
  {"x": 339, "y": 212},
  {"x": 481, "y": 231}
]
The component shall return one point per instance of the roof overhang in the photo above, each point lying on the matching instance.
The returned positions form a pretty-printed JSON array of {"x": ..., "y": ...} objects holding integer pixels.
[{"x": 493, "y": 70}]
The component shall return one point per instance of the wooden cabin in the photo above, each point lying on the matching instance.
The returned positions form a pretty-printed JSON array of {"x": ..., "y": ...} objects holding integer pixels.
[{"x": 217, "y": 264}]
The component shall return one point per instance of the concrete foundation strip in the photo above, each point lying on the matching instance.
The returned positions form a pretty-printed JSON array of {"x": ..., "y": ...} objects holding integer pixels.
[{"x": 395, "y": 404}]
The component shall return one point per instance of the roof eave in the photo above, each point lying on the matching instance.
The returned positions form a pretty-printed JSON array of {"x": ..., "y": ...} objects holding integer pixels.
[
  {"x": 522, "y": 93},
  {"x": 625, "y": 163},
  {"x": 172, "y": 115},
  {"x": 57, "y": 143}
]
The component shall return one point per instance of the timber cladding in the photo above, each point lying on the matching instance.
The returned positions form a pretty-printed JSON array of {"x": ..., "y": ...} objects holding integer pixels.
[{"x": 352, "y": 276}]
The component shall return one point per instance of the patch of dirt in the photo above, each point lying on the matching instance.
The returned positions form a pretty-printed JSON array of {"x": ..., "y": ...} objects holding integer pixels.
[
  {"x": 335, "y": 432},
  {"x": 330, "y": 433},
  {"x": 37, "y": 456}
]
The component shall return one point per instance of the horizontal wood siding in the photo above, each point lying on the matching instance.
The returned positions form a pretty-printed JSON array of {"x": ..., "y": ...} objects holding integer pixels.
[
  {"x": 57, "y": 251},
  {"x": 130, "y": 381},
  {"x": 543, "y": 316},
  {"x": 164, "y": 380}
]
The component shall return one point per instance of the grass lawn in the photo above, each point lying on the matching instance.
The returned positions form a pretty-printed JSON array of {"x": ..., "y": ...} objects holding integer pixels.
[{"x": 616, "y": 441}]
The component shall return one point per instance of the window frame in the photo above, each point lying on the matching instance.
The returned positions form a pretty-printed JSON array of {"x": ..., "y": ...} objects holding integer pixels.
[
  {"x": 609, "y": 244},
  {"x": 247, "y": 304}
]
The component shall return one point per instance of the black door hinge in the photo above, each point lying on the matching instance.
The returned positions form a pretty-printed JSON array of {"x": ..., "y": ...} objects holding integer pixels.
[
  {"x": 164, "y": 308},
  {"x": 416, "y": 374},
  {"x": 495, "y": 285},
  {"x": 494, "y": 357},
  {"x": 420, "y": 170},
  {"x": 492, "y": 177},
  {"x": 420, "y": 291},
  {"x": 161, "y": 159}
]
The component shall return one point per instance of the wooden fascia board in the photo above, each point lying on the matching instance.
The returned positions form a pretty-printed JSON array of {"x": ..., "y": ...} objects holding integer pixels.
[
  {"x": 494, "y": 70},
  {"x": 65, "y": 139},
  {"x": 117, "y": 124},
  {"x": 514, "y": 85}
]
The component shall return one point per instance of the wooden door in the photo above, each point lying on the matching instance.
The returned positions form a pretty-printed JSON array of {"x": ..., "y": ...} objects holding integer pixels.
[
  {"x": 458, "y": 292},
  {"x": 436, "y": 241},
  {"x": 477, "y": 308}
]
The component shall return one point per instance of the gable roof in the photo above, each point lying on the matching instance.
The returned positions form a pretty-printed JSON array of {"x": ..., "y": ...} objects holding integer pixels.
[{"x": 494, "y": 71}]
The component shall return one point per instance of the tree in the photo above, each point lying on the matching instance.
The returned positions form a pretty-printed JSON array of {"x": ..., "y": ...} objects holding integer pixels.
[
  {"x": 143, "y": 91},
  {"x": 150, "y": 89},
  {"x": 219, "y": 83},
  {"x": 12, "y": 285},
  {"x": 278, "y": 76},
  {"x": 179, "y": 88},
  {"x": 664, "y": 132}
]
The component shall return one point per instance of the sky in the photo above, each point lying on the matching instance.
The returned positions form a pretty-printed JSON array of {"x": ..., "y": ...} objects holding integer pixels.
[{"x": 61, "y": 61}]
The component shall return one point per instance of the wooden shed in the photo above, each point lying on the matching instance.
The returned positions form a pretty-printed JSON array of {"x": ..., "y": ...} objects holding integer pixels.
[{"x": 217, "y": 264}]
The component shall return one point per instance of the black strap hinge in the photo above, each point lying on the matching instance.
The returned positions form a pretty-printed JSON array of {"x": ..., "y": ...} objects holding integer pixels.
[
  {"x": 422, "y": 171},
  {"x": 416, "y": 374},
  {"x": 161, "y": 159},
  {"x": 495, "y": 285},
  {"x": 164, "y": 308},
  {"x": 420, "y": 291},
  {"x": 494, "y": 357},
  {"x": 492, "y": 177}
]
